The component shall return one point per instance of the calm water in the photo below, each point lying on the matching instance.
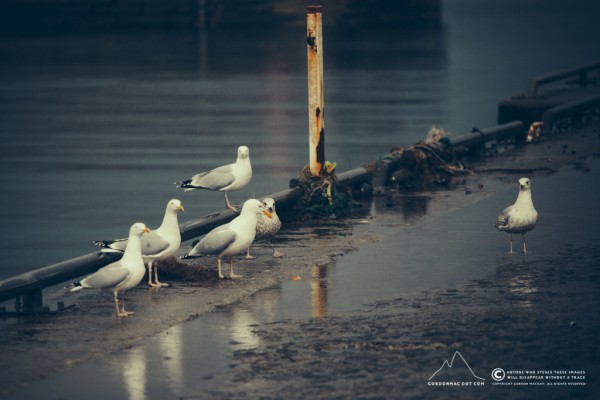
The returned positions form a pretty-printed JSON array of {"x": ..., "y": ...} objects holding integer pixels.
[{"x": 95, "y": 129}]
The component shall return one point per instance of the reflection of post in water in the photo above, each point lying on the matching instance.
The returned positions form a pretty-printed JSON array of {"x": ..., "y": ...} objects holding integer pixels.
[
  {"x": 134, "y": 374},
  {"x": 170, "y": 344},
  {"x": 318, "y": 290}
]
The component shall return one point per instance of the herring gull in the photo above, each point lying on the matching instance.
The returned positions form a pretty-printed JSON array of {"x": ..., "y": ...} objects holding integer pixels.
[
  {"x": 120, "y": 275},
  {"x": 232, "y": 238},
  {"x": 225, "y": 178},
  {"x": 157, "y": 245},
  {"x": 521, "y": 217}
]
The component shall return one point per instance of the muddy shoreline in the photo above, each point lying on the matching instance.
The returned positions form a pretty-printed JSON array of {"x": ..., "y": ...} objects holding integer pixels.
[{"x": 391, "y": 350}]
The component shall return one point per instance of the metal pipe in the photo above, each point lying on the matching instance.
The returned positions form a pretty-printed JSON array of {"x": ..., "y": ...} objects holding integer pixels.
[
  {"x": 38, "y": 279},
  {"x": 33, "y": 281},
  {"x": 353, "y": 177},
  {"x": 478, "y": 137},
  {"x": 316, "y": 98},
  {"x": 54, "y": 274}
]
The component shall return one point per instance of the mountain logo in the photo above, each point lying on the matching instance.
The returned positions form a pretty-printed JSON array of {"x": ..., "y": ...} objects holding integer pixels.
[{"x": 450, "y": 368}]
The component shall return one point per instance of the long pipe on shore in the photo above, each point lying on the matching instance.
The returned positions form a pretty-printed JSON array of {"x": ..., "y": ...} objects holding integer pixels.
[{"x": 29, "y": 284}]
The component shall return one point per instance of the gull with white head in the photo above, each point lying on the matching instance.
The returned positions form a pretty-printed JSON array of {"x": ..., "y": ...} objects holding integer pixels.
[
  {"x": 121, "y": 275},
  {"x": 157, "y": 245},
  {"x": 225, "y": 178},
  {"x": 521, "y": 217},
  {"x": 232, "y": 238}
]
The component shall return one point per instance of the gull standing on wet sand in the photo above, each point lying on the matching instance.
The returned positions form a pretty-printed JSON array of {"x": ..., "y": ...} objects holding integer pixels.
[
  {"x": 120, "y": 275},
  {"x": 225, "y": 178},
  {"x": 267, "y": 228},
  {"x": 157, "y": 245},
  {"x": 231, "y": 238},
  {"x": 521, "y": 217}
]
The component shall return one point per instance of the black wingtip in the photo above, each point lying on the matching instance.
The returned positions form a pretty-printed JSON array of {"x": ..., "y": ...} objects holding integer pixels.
[{"x": 183, "y": 184}]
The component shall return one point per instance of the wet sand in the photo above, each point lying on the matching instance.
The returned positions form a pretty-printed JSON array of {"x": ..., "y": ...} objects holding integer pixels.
[
  {"x": 536, "y": 312},
  {"x": 532, "y": 316}
]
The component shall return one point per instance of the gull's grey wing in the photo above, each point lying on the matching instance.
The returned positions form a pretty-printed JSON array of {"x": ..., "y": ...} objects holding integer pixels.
[
  {"x": 504, "y": 217},
  {"x": 107, "y": 277},
  {"x": 153, "y": 244},
  {"x": 215, "y": 242},
  {"x": 215, "y": 179}
]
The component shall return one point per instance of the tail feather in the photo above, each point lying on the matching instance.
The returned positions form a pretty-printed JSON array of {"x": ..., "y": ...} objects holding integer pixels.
[
  {"x": 75, "y": 286},
  {"x": 110, "y": 250},
  {"x": 107, "y": 246},
  {"x": 103, "y": 243},
  {"x": 186, "y": 185},
  {"x": 183, "y": 184},
  {"x": 189, "y": 256}
]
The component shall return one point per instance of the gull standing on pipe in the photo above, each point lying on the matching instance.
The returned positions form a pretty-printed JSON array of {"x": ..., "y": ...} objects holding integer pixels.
[
  {"x": 120, "y": 275},
  {"x": 267, "y": 228},
  {"x": 521, "y": 217},
  {"x": 157, "y": 245},
  {"x": 225, "y": 178},
  {"x": 232, "y": 238}
]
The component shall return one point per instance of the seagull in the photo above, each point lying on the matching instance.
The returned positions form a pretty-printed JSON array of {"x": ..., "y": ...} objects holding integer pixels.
[
  {"x": 120, "y": 275},
  {"x": 231, "y": 238},
  {"x": 157, "y": 245},
  {"x": 266, "y": 228},
  {"x": 521, "y": 217},
  {"x": 225, "y": 178}
]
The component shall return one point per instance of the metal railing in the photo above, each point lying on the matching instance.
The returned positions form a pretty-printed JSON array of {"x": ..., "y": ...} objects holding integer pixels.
[{"x": 581, "y": 73}]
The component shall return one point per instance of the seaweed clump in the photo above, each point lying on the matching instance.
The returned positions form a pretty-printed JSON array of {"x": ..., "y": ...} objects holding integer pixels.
[
  {"x": 433, "y": 161},
  {"x": 323, "y": 196}
]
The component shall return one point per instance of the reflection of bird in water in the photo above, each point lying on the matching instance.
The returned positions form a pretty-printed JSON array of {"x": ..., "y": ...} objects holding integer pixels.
[
  {"x": 157, "y": 245},
  {"x": 521, "y": 217},
  {"x": 241, "y": 330},
  {"x": 231, "y": 238},
  {"x": 120, "y": 275},
  {"x": 225, "y": 178},
  {"x": 267, "y": 228}
]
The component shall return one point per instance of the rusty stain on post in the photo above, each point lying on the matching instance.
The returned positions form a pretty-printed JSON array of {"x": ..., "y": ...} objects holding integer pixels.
[{"x": 316, "y": 106}]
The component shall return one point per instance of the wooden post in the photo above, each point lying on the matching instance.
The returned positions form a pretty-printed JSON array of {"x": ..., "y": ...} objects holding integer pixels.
[{"x": 316, "y": 103}]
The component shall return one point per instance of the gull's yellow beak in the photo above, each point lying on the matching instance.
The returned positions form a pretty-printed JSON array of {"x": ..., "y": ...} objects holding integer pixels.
[
  {"x": 268, "y": 214},
  {"x": 146, "y": 230},
  {"x": 180, "y": 208}
]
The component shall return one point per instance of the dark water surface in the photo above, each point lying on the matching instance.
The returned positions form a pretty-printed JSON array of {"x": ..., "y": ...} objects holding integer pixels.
[{"x": 94, "y": 129}]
